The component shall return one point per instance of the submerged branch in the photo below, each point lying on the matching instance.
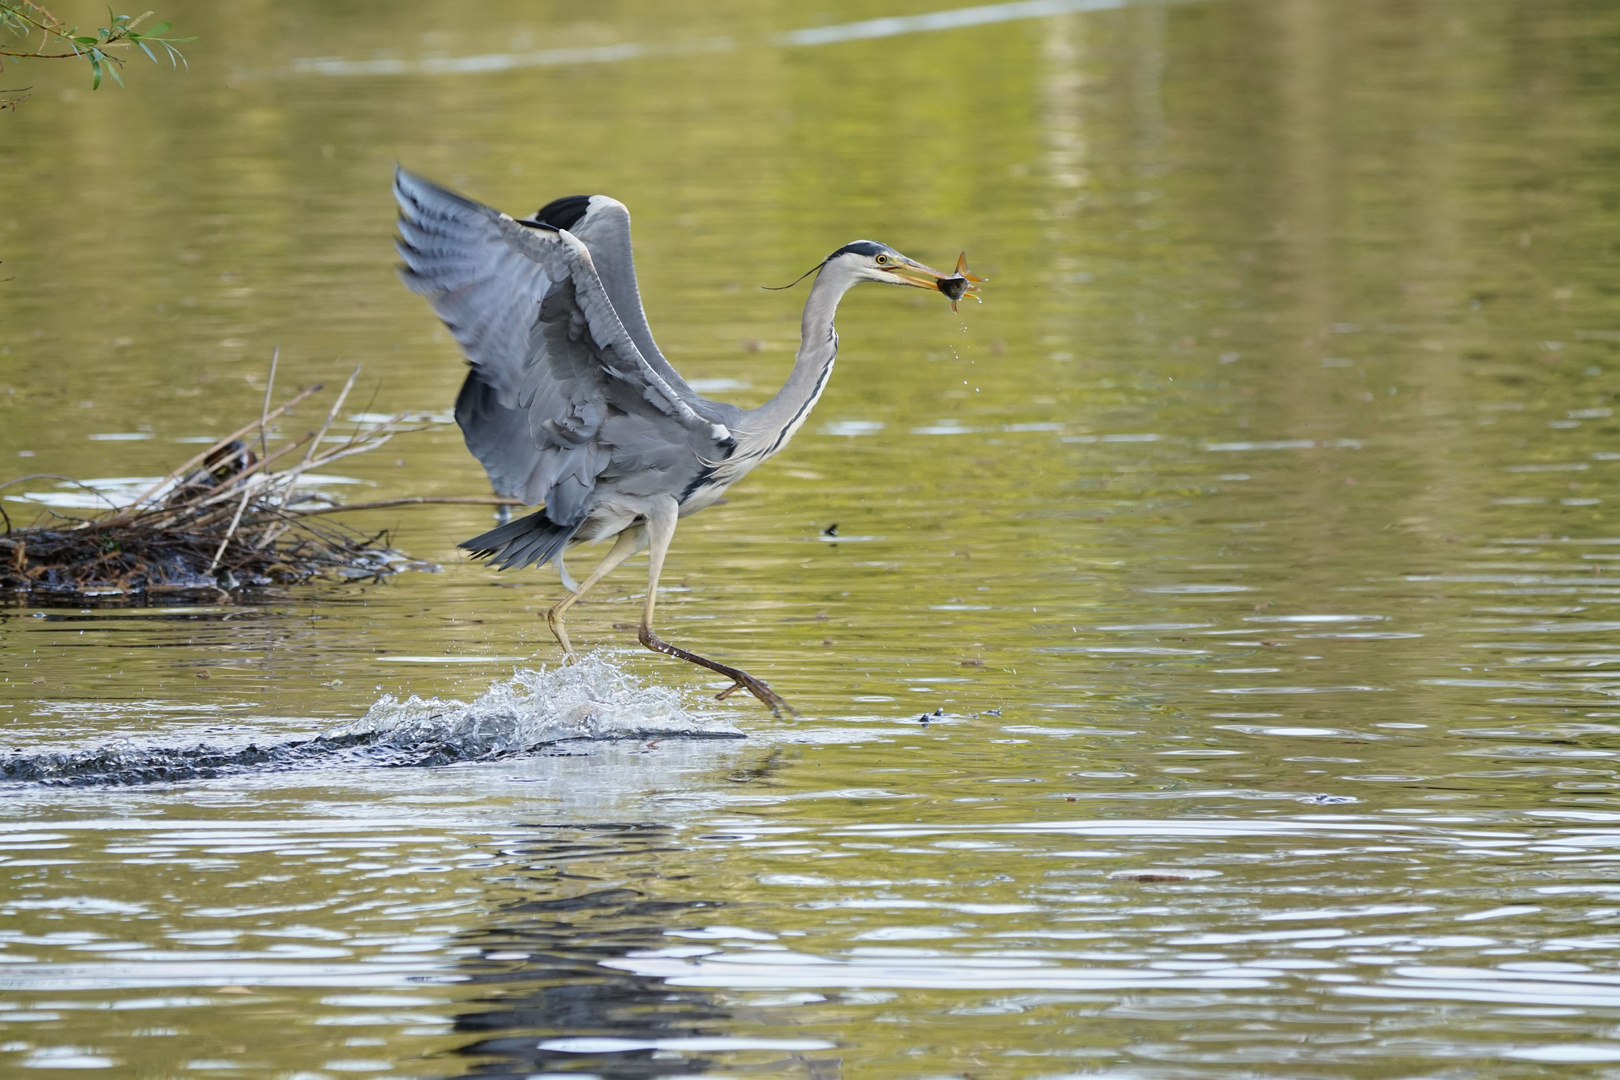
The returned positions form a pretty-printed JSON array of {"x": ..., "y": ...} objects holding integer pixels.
[{"x": 420, "y": 500}]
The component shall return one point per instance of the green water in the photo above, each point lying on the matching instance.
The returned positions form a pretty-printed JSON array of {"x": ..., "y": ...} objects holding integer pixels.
[{"x": 1269, "y": 498}]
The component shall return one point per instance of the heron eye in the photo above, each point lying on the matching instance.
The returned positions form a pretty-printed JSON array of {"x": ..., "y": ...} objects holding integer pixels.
[{"x": 882, "y": 259}]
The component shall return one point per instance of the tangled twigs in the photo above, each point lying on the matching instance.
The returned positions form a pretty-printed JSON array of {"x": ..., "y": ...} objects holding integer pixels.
[{"x": 225, "y": 520}]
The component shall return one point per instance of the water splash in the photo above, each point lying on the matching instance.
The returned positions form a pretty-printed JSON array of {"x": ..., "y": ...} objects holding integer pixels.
[{"x": 592, "y": 699}]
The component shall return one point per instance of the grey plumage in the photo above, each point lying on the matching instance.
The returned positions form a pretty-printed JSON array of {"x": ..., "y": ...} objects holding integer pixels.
[
  {"x": 569, "y": 403},
  {"x": 562, "y": 399}
]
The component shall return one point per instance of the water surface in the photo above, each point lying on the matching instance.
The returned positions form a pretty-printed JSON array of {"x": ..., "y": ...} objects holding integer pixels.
[{"x": 1212, "y": 673}]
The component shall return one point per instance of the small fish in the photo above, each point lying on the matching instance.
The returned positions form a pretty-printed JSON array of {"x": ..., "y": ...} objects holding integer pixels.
[{"x": 962, "y": 283}]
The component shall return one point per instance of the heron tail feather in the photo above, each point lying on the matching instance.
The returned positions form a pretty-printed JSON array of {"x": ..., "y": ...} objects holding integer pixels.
[{"x": 532, "y": 540}]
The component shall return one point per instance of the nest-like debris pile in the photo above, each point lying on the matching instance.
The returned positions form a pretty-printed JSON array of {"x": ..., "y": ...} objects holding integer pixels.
[
  {"x": 134, "y": 558},
  {"x": 226, "y": 520}
]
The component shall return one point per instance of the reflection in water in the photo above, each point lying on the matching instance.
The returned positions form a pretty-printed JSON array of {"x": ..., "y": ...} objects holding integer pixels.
[
  {"x": 1212, "y": 671},
  {"x": 558, "y": 1000},
  {"x": 864, "y": 30}
]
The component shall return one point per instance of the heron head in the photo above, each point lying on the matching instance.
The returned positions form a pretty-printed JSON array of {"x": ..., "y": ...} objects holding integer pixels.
[{"x": 871, "y": 261}]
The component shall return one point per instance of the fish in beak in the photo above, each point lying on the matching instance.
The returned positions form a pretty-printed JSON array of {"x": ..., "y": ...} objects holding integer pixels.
[{"x": 956, "y": 285}]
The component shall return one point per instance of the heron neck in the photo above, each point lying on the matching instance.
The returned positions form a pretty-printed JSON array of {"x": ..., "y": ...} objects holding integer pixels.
[{"x": 778, "y": 419}]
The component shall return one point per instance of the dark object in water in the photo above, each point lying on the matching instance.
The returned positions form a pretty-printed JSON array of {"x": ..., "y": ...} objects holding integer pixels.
[
  {"x": 960, "y": 284},
  {"x": 119, "y": 765},
  {"x": 126, "y": 765},
  {"x": 222, "y": 463},
  {"x": 1150, "y": 877}
]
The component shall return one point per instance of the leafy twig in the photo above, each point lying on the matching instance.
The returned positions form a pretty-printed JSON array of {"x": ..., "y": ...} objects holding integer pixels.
[{"x": 23, "y": 19}]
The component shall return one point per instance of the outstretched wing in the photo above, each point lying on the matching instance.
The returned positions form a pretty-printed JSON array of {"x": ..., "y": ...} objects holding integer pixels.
[
  {"x": 605, "y": 229},
  {"x": 565, "y": 394},
  {"x": 488, "y": 295}
]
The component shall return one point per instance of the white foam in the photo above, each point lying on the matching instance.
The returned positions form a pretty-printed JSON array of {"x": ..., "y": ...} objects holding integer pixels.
[{"x": 592, "y": 698}]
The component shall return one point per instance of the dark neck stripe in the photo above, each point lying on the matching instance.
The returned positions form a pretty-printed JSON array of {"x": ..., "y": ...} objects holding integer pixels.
[{"x": 815, "y": 395}]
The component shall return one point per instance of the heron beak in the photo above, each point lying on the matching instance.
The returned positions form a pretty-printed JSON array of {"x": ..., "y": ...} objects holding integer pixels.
[{"x": 955, "y": 285}]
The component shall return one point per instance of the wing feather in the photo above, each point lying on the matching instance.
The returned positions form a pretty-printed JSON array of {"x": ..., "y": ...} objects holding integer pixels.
[
  {"x": 553, "y": 359},
  {"x": 561, "y": 253},
  {"x": 605, "y": 229},
  {"x": 485, "y": 292}
]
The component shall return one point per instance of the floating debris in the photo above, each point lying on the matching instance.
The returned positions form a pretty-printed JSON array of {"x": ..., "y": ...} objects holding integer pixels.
[
  {"x": 1160, "y": 877},
  {"x": 233, "y": 517}
]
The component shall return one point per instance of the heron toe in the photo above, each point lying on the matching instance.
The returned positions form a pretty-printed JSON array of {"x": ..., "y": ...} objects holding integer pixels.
[{"x": 770, "y": 698}]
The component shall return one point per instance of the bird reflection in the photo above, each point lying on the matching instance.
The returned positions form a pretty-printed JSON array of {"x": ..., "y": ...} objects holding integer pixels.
[{"x": 549, "y": 1006}]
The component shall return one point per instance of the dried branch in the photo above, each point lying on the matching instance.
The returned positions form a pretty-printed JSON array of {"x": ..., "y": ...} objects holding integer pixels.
[
  {"x": 225, "y": 519},
  {"x": 175, "y": 475}
]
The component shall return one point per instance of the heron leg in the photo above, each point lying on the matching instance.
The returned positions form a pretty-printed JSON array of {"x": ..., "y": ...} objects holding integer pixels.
[
  {"x": 629, "y": 542},
  {"x": 660, "y": 531}
]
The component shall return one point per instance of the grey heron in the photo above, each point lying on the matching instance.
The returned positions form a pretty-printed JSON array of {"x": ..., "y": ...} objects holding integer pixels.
[{"x": 569, "y": 404}]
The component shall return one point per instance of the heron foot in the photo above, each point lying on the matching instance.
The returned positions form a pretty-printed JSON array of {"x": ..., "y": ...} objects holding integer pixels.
[
  {"x": 741, "y": 680},
  {"x": 555, "y": 623},
  {"x": 771, "y": 699}
]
